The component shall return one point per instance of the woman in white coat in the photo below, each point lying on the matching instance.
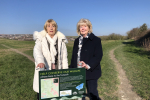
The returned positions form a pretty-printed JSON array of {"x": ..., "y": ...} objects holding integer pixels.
[{"x": 50, "y": 51}]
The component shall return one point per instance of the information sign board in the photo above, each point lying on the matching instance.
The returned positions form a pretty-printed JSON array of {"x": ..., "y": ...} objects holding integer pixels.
[{"x": 62, "y": 84}]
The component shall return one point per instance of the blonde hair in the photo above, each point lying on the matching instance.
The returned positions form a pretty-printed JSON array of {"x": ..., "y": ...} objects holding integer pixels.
[
  {"x": 83, "y": 22},
  {"x": 52, "y": 22}
]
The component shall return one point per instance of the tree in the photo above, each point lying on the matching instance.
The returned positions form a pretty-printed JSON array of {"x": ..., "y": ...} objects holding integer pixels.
[
  {"x": 133, "y": 33},
  {"x": 143, "y": 28}
]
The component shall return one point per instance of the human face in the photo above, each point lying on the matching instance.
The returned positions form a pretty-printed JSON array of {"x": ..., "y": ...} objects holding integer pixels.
[
  {"x": 84, "y": 29},
  {"x": 51, "y": 30}
]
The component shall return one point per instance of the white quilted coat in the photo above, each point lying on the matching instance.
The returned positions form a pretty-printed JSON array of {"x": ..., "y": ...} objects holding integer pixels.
[{"x": 42, "y": 55}]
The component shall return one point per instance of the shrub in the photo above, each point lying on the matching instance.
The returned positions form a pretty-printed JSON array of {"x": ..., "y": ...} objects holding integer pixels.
[
  {"x": 144, "y": 39},
  {"x": 114, "y": 36},
  {"x": 133, "y": 33},
  {"x": 137, "y": 32}
]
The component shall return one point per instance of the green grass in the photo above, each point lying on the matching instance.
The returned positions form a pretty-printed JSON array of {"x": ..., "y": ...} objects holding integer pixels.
[
  {"x": 107, "y": 84},
  {"x": 2, "y": 47},
  {"x": 29, "y": 52},
  {"x": 136, "y": 63},
  {"x": 20, "y": 69},
  {"x": 16, "y": 78},
  {"x": 69, "y": 50},
  {"x": 17, "y": 44},
  {"x": 17, "y": 71}
]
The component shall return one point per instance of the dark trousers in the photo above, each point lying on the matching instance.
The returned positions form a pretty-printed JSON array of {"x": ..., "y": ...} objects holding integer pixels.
[
  {"x": 37, "y": 96},
  {"x": 92, "y": 92}
]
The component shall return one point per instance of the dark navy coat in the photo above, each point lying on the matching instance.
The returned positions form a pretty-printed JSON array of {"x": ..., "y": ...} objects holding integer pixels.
[{"x": 91, "y": 54}]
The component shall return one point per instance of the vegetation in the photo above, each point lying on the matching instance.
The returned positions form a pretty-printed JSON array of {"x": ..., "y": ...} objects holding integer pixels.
[
  {"x": 17, "y": 44},
  {"x": 140, "y": 35},
  {"x": 143, "y": 28},
  {"x": 133, "y": 33},
  {"x": 137, "y": 32},
  {"x": 144, "y": 40},
  {"x": 107, "y": 84},
  {"x": 113, "y": 36},
  {"x": 17, "y": 71},
  {"x": 135, "y": 62},
  {"x": 16, "y": 77}
]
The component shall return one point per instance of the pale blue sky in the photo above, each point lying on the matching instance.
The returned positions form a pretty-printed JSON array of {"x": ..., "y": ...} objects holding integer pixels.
[{"x": 106, "y": 16}]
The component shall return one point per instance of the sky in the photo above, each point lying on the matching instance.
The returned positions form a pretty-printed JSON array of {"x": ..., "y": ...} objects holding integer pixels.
[{"x": 106, "y": 16}]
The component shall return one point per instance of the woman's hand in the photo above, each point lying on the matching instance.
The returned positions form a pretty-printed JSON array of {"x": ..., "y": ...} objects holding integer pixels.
[
  {"x": 84, "y": 64},
  {"x": 40, "y": 65},
  {"x": 53, "y": 66}
]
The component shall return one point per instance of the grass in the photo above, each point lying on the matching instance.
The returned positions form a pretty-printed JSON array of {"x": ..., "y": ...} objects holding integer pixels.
[
  {"x": 29, "y": 52},
  {"x": 16, "y": 78},
  {"x": 107, "y": 84},
  {"x": 17, "y": 44},
  {"x": 17, "y": 71},
  {"x": 136, "y": 63},
  {"x": 2, "y": 47}
]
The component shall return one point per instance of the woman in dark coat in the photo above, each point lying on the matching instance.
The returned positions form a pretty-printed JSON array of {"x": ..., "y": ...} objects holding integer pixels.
[{"x": 87, "y": 50}]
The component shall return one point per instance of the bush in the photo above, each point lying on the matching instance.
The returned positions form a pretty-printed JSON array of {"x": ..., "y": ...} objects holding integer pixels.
[
  {"x": 137, "y": 32},
  {"x": 144, "y": 39},
  {"x": 114, "y": 36},
  {"x": 133, "y": 33}
]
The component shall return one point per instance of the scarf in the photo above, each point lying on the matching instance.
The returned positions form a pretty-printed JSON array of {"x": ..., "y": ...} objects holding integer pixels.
[
  {"x": 52, "y": 42},
  {"x": 80, "y": 46}
]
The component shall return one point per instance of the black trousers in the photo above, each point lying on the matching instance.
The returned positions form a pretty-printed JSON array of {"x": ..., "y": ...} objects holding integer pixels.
[
  {"x": 92, "y": 92},
  {"x": 37, "y": 96}
]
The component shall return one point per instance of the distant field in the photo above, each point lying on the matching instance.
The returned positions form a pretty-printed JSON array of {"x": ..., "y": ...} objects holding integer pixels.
[
  {"x": 17, "y": 71},
  {"x": 72, "y": 37}
]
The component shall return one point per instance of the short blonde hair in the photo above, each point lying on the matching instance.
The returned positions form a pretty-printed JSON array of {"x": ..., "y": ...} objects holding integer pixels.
[
  {"x": 52, "y": 22},
  {"x": 83, "y": 22}
]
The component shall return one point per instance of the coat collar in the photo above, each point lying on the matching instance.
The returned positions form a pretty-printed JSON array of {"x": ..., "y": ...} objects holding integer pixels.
[
  {"x": 91, "y": 36},
  {"x": 40, "y": 35},
  {"x": 61, "y": 37}
]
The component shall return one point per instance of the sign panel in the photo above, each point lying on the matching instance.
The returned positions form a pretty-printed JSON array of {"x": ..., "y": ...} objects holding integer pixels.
[{"x": 62, "y": 84}]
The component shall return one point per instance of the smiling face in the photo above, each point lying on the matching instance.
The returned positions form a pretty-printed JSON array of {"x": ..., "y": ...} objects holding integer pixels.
[
  {"x": 51, "y": 29},
  {"x": 84, "y": 29}
]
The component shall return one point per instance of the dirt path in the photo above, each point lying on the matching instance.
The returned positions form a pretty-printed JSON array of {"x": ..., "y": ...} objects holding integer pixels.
[
  {"x": 124, "y": 89},
  {"x": 29, "y": 57}
]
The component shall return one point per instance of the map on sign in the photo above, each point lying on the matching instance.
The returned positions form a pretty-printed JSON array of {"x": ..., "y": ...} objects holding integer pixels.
[{"x": 49, "y": 88}]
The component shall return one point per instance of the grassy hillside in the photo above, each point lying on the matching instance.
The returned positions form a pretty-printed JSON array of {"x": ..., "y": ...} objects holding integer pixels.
[
  {"x": 17, "y": 71},
  {"x": 21, "y": 70},
  {"x": 17, "y": 44},
  {"x": 16, "y": 77},
  {"x": 136, "y": 63}
]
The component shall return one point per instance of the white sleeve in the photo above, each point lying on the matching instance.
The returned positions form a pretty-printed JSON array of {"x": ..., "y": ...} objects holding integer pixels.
[
  {"x": 88, "y": 67},
  {"x": 37, "y": 52},
  {"x": 65, "y": 59}
]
